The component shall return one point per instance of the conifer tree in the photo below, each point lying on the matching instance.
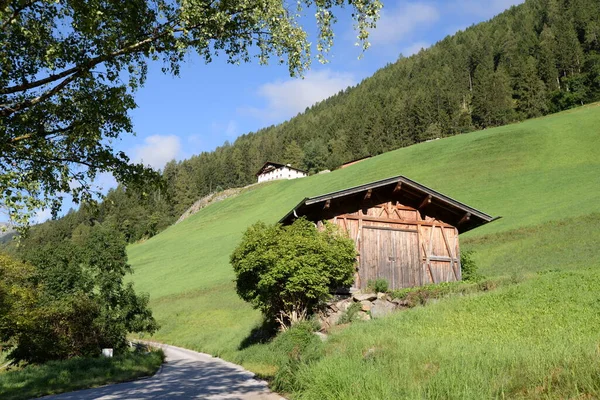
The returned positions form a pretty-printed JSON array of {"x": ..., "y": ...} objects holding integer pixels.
[
  {"x": 530, "y": 92},
  {"x": 293, "y": 154}
]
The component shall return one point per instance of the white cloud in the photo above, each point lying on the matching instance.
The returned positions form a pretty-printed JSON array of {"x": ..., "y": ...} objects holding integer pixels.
[
  {"x": 157, "y": 150},
  {"x": 287, "y": 98},
  {"x": 483, "y": 8},
  {"x": 414, "y": 48},
  {"x": 397, "y": 24}
]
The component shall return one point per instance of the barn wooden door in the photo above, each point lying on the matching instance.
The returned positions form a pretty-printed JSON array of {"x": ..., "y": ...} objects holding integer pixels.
[{"x": 392, "y": 254}]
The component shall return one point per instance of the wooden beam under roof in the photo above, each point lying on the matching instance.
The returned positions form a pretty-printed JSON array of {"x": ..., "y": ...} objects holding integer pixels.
[
  {"x": 464, "y": 219},
  {"x": 426, "y": 201}
]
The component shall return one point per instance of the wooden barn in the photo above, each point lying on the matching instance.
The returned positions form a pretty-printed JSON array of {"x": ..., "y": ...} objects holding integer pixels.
[{"x": 404, "y": 232}]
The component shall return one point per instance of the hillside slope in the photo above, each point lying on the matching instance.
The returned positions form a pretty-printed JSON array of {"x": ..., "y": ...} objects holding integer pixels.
[
  {"x": 536, "y": 58},
  {"x": 530, "y": 173}
]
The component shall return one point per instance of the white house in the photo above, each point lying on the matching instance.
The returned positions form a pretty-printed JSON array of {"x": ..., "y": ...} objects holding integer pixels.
[{"x": 272, "y": 171}]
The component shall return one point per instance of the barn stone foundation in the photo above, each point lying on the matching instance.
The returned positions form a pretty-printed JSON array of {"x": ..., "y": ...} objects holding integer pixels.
[{"x": 373, "y": 305}]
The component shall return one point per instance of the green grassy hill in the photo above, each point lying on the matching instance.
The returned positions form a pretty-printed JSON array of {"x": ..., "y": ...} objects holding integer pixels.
[{"x": 542, "y": 176}]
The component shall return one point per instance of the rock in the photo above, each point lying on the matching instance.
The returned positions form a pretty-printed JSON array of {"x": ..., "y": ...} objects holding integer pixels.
[
  {"x": 366, "y": 305},
  {"x": 381, "y": 308},
  {"x": 334, "y": 318},
  {"x": 400, "y": 303},
  {"x": 321, "y": 336},
  {"x": 364, "y": 296},
  {"x": 363, "y": 316},
  {"x": 343, "y": 305},
  {"x": 381, "y": 295}
]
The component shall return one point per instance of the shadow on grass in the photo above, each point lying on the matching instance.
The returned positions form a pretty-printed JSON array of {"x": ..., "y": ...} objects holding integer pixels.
[{"x": 260, "y": 334}]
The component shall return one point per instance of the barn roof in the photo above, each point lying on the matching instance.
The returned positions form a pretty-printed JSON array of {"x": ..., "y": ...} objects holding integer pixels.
[
  {"x": 401, "y": 188},
  {"x": 277, "y": 166}
]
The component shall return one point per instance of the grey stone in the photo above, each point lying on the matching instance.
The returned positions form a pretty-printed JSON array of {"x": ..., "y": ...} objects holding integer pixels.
[
  {"x": 365, "y": 296},
  {"x": 381, "y": 295},
  {"x": 334, "y": 318},
  {"x": 366, "y": 305},
  {"x": 363, "y": 316},
  {"x": 382, "y": 308},
  {"x": 343, "y": 305},
  {"x": 400, "y": 303}
]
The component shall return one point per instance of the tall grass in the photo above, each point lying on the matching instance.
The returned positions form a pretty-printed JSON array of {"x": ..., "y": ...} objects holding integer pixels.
[{"x": 536, "y": 339}]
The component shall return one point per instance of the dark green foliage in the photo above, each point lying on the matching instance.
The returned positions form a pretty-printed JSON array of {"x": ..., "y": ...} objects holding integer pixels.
[
  {"x": 18, "y": 291},
  {"x": 287, "y": 272},
  {"x": 378, "y": 285},
  {"x": 315, "y": 156},
  {"x": 301, "y": 347},
  {"x": 492, "y": 97},
  {"x": 78, "y": 373},
  {"x": 350, "y": 314},
  {"x": 469, "y": 269},
  {"x": 293, "y": 154},
  {"x": 78, "y": 301}
]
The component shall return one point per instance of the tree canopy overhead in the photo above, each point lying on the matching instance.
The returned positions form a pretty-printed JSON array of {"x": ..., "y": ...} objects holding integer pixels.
[{"x": 68, "y": 69}]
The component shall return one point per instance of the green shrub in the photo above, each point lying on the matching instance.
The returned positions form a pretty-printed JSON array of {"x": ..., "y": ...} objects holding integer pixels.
[
  {"x": 287, "y": 272},
  {"x": 469, "y": 268},
  {"x": 350, "y": 314},
  {"x": 378, "y": 285}
]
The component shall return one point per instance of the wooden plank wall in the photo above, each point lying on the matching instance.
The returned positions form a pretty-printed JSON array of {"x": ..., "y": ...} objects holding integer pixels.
[{"x": 437, "y": 243}]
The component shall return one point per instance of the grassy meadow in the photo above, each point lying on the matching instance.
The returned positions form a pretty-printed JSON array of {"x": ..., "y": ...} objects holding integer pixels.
[
  {"x": 542, "y": 176},
  {"x": 535, "y": 339}
]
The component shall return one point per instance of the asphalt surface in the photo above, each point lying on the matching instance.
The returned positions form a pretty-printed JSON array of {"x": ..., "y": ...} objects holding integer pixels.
[{"x": 185, "y": 375}]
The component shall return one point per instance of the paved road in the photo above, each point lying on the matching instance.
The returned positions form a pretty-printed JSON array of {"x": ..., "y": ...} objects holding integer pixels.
[{"x": 185, "y": 375}]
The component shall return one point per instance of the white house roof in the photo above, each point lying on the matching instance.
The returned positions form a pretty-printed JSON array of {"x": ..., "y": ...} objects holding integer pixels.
[{"x": 272, "y": 165}]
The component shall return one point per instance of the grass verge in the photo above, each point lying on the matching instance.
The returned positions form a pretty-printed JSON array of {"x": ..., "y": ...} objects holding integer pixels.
[{"x": 78, "y": 373}]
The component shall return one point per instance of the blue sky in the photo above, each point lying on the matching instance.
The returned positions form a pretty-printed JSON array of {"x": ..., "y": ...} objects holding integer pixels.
[{"x": 208, "y": 104}]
